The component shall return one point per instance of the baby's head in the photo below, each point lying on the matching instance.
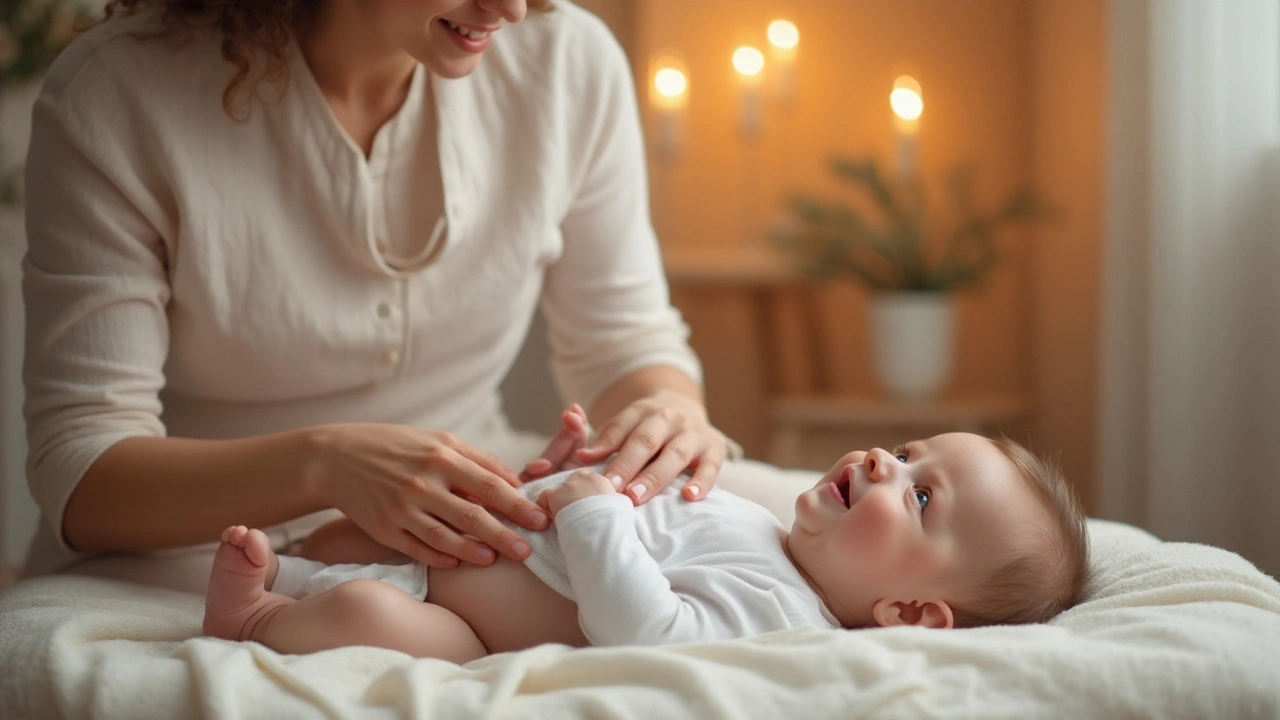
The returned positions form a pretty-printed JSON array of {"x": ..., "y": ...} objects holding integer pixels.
[{"x": 954, "y": 531}]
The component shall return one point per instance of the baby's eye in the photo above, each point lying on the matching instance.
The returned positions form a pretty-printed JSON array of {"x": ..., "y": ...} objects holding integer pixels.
[
  {"x": 901, "y": 456},
  {"x": 922, "y": 497}
]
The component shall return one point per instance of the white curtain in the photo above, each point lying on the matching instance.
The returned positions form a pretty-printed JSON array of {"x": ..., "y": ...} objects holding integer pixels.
[{"x": 1190, "y": 426}]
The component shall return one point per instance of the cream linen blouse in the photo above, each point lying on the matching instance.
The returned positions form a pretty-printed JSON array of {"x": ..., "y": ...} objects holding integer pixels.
[{"x": 199, "y": 277}]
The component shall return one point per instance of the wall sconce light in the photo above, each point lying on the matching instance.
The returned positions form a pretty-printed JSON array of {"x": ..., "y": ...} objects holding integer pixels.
[
  {"x": 669, "y": 93},
  {"x": 784, "y": 39},
  {"x": 907, "y": 102},
  {"x": 749, "y": 64}
]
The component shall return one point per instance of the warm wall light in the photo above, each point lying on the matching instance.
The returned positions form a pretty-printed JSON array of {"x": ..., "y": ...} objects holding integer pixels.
[
  {"x": 749, "y": 63},
  {"x": 783, "y": 34},
  {"x": 670, "y": 84},
  {"x": 669, "y": 93},
  {"x": 906, "y": 99},
  {"x": 784, "y": 38},
  {"x": 907, "y": 102}
]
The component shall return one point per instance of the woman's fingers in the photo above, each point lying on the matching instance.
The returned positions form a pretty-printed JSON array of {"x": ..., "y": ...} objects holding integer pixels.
[
  {"x": 674, "y": 458},
  {"x": 494, "y": 493},
  {"x": 561, "y": 447},
  {"x": 488, "y": 462},
  {"x": 473, "y": 520},
  {"x": 611, "y": 436},
  {"x": 639, "y": 449},
  {"x": 409, "y": 543},
  {"x": 704, "y": 477}
]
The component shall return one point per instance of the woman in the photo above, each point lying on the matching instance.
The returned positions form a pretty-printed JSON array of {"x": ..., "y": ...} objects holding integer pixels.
[{"x": 282, "y": 255}]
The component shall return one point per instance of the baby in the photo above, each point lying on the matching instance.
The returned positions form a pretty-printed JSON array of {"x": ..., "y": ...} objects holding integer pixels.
[{"x": 954, "y": 531}]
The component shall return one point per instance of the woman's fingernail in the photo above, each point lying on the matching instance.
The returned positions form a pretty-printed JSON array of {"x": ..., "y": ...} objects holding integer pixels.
[
  {"x": 692, "y": 490},
  {"x": 617, "y": 482},
  {"x": 520, "y": 548},
  {"x": 638, "y": 491},
  {"x": 538, "y": 518},
  {"x": 485, "y": 554}
]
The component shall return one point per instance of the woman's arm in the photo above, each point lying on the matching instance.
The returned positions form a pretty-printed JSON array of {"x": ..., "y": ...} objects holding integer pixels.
[
  {"x": 146, "y": 493},
  {"x": 644, "y": 383},
  {"x": 399, "y": 484},
  {"x": 616, "y": 340}
]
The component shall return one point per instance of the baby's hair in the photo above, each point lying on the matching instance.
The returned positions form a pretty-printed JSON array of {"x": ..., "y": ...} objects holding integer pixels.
[{"x": 1046, "y": 574}]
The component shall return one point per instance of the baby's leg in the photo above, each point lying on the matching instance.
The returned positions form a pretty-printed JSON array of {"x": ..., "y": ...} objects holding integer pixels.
[
  {"x": 359, "y": 612},
  {"x": 237, "y": 600},
  {"x": 368, "y": 612}
]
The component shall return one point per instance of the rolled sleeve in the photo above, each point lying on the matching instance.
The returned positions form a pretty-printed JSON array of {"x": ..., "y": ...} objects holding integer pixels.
[
  {"x": 95, "y": 289},
  {"x": 606, "y": 300}
]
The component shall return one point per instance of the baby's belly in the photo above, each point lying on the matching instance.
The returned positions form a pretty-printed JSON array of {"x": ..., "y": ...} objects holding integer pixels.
[{"x": 506, "y": 605}]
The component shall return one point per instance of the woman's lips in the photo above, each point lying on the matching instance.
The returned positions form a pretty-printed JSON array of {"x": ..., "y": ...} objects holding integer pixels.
[{"x": 473, "y": 45}]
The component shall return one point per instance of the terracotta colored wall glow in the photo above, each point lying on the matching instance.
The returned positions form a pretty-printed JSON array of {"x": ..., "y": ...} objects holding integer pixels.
[{"x": 1010, "y": 86}]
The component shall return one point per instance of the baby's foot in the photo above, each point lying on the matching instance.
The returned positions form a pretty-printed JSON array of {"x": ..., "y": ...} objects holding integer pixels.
[
  {"x": 561, "y": 452},
  {"x": 243, "y": 568}
]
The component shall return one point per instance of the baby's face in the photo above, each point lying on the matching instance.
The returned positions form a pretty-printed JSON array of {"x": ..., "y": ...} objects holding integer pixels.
[{"x": 906, "y": 526}]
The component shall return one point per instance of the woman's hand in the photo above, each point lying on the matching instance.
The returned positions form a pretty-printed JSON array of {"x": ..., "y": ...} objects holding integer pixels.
[
  {"x": 422, "y": 492},
  {"x": 562, "y": 452},
  {"x": 657, "y": 438}
]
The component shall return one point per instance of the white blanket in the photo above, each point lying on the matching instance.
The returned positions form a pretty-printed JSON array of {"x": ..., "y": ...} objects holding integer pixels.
[{"x": 1169, "y": 630}]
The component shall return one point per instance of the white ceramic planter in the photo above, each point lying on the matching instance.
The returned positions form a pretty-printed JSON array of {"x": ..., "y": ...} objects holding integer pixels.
[{"x": 911, "y": 341}]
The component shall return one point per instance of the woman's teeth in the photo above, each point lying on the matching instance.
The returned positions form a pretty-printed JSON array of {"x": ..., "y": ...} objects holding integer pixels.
[{"x": 465, "y": 32}]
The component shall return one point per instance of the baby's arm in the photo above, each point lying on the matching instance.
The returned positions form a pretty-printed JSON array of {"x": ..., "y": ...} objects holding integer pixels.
[{"x": 623, "y": 597}]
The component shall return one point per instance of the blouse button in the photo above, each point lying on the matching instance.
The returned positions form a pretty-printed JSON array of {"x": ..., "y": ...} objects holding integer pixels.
[
  {"x": 384, "y": 310},
  {"x": 393, "y": 357}
]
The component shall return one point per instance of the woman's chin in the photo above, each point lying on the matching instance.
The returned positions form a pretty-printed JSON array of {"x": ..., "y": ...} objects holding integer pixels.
[{"x": 452, "y": 68}]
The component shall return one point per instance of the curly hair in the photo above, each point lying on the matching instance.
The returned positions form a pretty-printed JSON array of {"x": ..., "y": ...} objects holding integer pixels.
[{"x": 250, "y": 31}]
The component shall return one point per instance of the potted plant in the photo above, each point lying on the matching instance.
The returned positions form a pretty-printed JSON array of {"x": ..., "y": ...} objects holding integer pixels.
[{"x": 886, "y": 238}]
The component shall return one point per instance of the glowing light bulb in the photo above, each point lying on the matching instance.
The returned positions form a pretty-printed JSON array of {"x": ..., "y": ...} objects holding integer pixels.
[
  {"x": 748, "y": 61},
  {"x": 783, "y": 34},
  {"x": 906, "y": 99},
  {"x": 669, "y": 94},
  {"x": 670, "y": 82}
]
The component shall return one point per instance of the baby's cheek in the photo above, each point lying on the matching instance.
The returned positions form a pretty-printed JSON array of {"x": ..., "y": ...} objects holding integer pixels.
[{"x": 879, "y": 519}]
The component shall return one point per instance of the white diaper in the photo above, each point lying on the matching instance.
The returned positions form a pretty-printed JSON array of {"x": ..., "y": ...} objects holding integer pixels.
[{"x": 299, "y": 578}]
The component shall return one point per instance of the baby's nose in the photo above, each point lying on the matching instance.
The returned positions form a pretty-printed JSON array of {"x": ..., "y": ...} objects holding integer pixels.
[{"x": 879, "y": 464}]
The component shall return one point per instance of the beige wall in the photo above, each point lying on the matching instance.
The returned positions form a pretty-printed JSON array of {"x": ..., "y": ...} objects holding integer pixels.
[
  {"x": 1013, "y": 86},
  {"x": 1069, "y": 70}
]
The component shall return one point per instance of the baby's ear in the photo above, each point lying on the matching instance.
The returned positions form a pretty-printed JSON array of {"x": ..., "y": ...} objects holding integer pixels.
[{"x": 931, "y": 613}]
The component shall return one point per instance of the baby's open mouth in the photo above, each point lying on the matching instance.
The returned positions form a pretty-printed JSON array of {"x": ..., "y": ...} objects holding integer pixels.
[{"x": 842, "y": 484}]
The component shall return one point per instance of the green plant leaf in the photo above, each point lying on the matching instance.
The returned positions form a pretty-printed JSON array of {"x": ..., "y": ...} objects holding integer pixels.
[{"x": 886, "y": 237}]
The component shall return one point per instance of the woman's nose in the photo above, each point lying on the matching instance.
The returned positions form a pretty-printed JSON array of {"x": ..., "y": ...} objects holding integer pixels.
[
  {"x": 513, "y": 11},
  {"x": 879, "y": 464}
]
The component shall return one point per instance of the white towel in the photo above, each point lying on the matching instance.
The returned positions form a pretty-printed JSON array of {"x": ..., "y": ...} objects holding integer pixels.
[{"x": 1169, "y": 630}]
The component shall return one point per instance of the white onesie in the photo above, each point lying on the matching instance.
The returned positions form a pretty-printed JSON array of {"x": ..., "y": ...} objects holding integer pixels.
[{"x": 667, "y": 571}]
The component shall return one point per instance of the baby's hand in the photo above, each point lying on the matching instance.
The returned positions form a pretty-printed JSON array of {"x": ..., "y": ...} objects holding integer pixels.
[
  {"x": 581, "y": 484},
  {"x": 562, "y": 451}
]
